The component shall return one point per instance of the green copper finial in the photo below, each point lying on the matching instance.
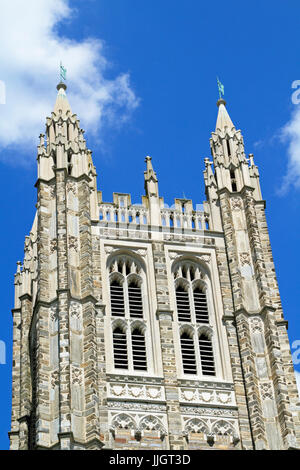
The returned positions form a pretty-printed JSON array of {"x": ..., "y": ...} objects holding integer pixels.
[
  {"x": 220, "y": 88},
  {"x": 63, "y": 72}
]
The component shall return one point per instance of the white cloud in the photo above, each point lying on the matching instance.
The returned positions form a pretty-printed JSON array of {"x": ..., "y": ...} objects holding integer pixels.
[
  {"x": 30, "y": 53},
  {"x": 291, "y": 134}
]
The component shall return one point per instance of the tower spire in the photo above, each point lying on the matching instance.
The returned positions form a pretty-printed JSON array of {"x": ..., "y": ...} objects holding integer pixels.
[
  {"x": 62, "y": 104},
  {"x": 223, "y": 119}
]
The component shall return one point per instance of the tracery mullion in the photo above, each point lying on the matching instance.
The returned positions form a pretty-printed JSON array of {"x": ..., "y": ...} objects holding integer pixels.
[
  {"x": 129, "y": 348},
  {"x": 126, "y": 299},
  {"x": 191, "y": 300}
]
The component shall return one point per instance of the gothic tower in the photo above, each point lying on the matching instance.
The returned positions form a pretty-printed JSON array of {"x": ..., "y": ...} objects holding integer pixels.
[{"x": 139, "y": 326}]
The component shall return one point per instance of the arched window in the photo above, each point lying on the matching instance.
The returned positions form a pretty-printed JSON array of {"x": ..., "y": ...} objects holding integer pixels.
[
  {"x": 206, "y": 355},
  {"x": 188, "y": 354},
  {"x": 194, "y": 308},
  {"x": 183, "y": 304},
  {"x": 138, "y": 350},
  {"x": 200, "y": 305},
  {"x": 128, "y": 299},
  {"x": 120, "y": 349},
  {"x": 135, "y": 300},
  {"x": 117, "y": 298}
]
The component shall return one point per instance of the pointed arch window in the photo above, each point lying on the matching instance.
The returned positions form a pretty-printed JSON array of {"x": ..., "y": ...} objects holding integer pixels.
[
  {"x": 128, "y": 301},
  {"x": 191, "y": 294},
  {"x": 193, "y": 308}
]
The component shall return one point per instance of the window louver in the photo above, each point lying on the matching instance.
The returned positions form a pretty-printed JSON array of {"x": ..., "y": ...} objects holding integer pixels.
[
  {"x": 135, "y": 301},
  {"x": 201, "y": 308},
  {"x": 183, "y": 304},
  {"x": 138, "y": 350},
  {"x": 117, "y": 299},
  {"x": 188, "y": 354},
  {"x": 120, "y": 349},
  {"x": 206, "y": 356}
]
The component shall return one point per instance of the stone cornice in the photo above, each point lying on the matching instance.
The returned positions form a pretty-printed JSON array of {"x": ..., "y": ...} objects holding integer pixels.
[
  {"x": 25, "y": 297},
  {"x": 282, "y": 323},
  {"x": 68, "y": 177},
  {"x": 47, "y": 304},
  {"x": 16, "y": 310},
  {"x": 42, "y": 180},
  {"x": 264, "y": 311},
  {"x": 228, "y": 317},
  {"x": 236, "y": 193},
  {"x": 24, "y": 419}
]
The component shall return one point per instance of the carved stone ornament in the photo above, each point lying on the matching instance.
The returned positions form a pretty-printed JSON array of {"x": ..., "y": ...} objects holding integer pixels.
[
  {"x": 54, "y": 379},
  {"x": 74, "y": 310},
  {"x": 266, "y": 391},
  {"x": 71, "y": 187},
  {"x": 256, "y": 324},
  {"x": 196, "y": 425},
  {"x": 213, "y": 412},
  {"x": 77, "y": 378},
  {"x": 53, "y": 245},
  {"x": 244, "y": 258},
  {"x": 205, "y": 258},
  {"x": 123, "y": 421},
  {"x": 236, "y": 203},
  {"x": 73, "y": 242},
  {"x": 108, "y": 249},
  {"x": 136, "y": 391}
]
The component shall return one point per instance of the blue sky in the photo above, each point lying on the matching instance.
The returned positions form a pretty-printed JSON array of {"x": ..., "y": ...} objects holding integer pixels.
[{"x": 142, "y": 78}]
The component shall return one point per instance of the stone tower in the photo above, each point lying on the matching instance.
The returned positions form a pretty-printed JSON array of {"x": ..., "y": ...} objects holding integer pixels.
[{"x": 140, "y": 326}]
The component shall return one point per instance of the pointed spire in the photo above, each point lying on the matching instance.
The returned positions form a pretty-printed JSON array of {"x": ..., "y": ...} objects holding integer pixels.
[
  {"x": 62, "y": 104},
  {"x": 223, "y": 119}
]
